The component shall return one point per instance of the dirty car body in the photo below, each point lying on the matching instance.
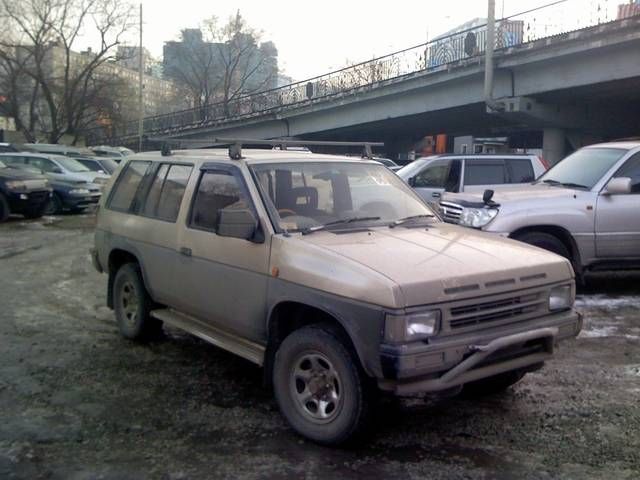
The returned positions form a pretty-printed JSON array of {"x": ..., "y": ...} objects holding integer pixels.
[{"x": 249, "y": 254}]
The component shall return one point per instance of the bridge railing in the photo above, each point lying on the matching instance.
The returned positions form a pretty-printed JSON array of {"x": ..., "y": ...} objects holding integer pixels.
[{"x": 558, "y": 17}]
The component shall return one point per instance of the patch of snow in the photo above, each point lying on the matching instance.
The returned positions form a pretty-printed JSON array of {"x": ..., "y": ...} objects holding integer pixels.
[
  {"x": 607, "y": 302},
  {"x": 596, "y": 332}
]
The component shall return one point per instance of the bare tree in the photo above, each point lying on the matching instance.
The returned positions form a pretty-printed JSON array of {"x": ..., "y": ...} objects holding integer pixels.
[
  {"x": 224, "y": 62},
  {"x": 38, "y": 46}
]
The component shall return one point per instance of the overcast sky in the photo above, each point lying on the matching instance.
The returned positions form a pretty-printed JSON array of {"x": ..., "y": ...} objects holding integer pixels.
[{"x": 314, "y": 37}]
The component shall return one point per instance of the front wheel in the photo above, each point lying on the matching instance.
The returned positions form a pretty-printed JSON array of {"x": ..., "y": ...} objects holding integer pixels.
[
  {"x": 4, "y": 208},
  {"x": 319, "y": 387}
]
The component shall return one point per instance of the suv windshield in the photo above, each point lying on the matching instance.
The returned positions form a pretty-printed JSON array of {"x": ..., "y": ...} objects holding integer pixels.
[
  {"x": 72, "y": 164},
  {"x": 309, "y": 194},
  {"x": 584, "y": 168}
]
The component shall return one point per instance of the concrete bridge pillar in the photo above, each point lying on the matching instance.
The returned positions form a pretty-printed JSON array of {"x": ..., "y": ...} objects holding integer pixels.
[{"x": 553, "y": 145}]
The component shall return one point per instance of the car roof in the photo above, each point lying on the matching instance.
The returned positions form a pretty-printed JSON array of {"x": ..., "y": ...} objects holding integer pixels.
[
  {"x": 630, "y": 145},
  {"x": 484, "y": 155},
  {"x": 249, "y": 156}
]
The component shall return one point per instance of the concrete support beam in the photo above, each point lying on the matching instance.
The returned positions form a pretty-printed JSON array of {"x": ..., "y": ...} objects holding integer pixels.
[{"x": 553, "y": 145}]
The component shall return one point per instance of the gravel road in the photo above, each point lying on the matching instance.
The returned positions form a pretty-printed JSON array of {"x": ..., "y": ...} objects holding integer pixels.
[{"x": 79, "y": 402}]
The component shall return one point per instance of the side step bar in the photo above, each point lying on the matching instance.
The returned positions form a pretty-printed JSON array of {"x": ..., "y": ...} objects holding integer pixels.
[{"x": 225, "y": 340}]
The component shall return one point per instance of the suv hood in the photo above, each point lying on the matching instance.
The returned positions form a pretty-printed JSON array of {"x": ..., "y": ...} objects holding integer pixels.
[
  {"x": 513, "y": 194},
  {"x": 445, "y": 262}
]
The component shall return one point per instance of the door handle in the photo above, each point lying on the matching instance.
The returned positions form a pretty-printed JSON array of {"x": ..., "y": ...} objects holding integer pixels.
[
  {"x": 185, "y": 251},
  {"x": 435, "y": 195}
]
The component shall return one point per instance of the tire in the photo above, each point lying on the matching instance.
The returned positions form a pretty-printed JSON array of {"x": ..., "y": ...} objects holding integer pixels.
[
  {"x": 492, "y": 385},
  {"x": 54, "y": 206},
  {"x": 132, "y": 305},
  {"x": 547, "y": 241},
  {"x": 335, "y": 412},
  {"x": 4, "y": 209}
]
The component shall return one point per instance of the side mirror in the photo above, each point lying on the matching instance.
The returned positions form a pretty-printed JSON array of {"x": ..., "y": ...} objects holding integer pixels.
[
  {"x": 237, "y": 224},
  {"x": 618, "y": 186},
  {"x": 412, "y": 182}
]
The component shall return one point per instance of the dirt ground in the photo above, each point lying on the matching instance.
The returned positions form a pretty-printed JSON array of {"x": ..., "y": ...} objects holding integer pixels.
[{"x": 79, "y": 402}]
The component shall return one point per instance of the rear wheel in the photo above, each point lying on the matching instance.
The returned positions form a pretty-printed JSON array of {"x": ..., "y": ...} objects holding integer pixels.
[
  {"x": 547, "y": 241},
  {"x": 132, "y": 305},
  {"x": 54, "y": 206},
  {"x": 492, "y": 385},
  {"x": 4, "y": 208},
  {"x": 319, "y": 387}
]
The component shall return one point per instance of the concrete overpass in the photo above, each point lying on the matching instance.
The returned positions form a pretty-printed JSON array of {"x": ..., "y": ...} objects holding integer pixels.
[{"x": 557, "y": 92}]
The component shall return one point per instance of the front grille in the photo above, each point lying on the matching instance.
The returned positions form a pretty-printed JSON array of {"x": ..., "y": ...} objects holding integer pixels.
[
  {"x": 451, "y": 212},
  {"x": 511, "y": 308}
]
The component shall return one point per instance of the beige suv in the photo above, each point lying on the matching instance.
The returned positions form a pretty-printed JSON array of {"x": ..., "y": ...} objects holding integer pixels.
[{"x": 331, "y": 273}]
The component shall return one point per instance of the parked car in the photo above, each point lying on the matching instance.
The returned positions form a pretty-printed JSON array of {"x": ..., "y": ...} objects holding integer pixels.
[
  {"x": 99, "y": 164},
  {"x": 586, "y": 208},
  {"x": 329, "y": 272},
  {"x": 434, "y": 175},
  {"x": 57, "y": 149},
  {"x": 387, "y": 162},
  {"x": 117, "y": 153},
  {"x": 56, "y": 167},
  {"x": 22, "y": 192},
  {"x": 74, "y": 196}
]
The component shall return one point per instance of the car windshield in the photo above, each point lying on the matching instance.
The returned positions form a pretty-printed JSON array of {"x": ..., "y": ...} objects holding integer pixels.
[
  {"x": 72, "y": 164},
  {"x": 582, "y": 169},
  {"x": 305, "y": 195},
  {"x": 412, "y": 169},
  {"x": 108, "y": 165}
]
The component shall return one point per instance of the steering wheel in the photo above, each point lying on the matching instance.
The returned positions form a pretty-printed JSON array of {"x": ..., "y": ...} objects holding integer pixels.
[{"x": 285, "y": 211}]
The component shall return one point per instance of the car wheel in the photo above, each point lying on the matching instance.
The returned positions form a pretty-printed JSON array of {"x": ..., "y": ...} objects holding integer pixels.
[
  {"x": 492, "y": 385},
  {"x": 319, "y": 387},
  {"x": 547, "y": 241},
  {"x": 4, "y": 208},
  {"x": 132, "y": 305},
  {"x": 54, "y": 205}
]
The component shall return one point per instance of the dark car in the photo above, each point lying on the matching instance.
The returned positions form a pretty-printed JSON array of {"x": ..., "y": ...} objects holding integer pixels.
[
  {"x": 22, "y": 192},
  {"x": 99, "y": 164},
  {"x": 73, "y": 195}
]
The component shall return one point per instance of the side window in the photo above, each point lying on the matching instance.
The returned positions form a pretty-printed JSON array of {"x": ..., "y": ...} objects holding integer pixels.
[
  {"x": 433, "y": 176},
  {"x": 172, "y": 192},
  {"x": 217, "y": 190},
  {"x": 631, "y": 169},
  {"x": 520, "y": 170},
  {"x": 484, "y": 173},
  {"x": 42, "y": 163},
  {"x": 127, "y": 185}
]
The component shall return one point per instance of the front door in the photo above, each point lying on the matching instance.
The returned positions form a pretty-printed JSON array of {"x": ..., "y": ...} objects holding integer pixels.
[
  {"x": 618, "y": 217},
  {"x": 223, "y": 280},
  {"x": 436, "y": 178}
]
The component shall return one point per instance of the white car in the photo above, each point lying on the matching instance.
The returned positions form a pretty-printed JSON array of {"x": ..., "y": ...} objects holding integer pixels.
[
  {"x": 56, "y": 167},
  {"x": 431, "y": 176}
]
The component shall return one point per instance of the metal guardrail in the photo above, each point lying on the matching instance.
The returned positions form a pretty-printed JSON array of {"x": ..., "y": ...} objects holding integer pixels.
[{"x": 556, "y": 18}]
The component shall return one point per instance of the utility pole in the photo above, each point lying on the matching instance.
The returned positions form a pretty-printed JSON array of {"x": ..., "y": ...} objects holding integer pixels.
[
  {"x": 140, "y": 87},
  {"x": 488, "y": 56}
]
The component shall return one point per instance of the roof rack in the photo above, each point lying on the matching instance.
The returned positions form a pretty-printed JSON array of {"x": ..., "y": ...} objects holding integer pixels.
[{"x": 235, "y": 144}]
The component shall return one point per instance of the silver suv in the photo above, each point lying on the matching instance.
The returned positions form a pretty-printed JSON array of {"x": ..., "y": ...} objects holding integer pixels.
[
  {"x": 329, "y": 272},
  {"x": 586, "y": 208}
]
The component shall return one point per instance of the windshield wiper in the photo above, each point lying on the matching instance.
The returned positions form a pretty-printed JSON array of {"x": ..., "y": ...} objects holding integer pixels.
[
  {"x": 343, "y": 221},
  {"x": 565, "y": 184},
  {"x": 404, "y": 220}
]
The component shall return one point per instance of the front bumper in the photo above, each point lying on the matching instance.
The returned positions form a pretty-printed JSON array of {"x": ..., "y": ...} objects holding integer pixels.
[
  {"x": 459, "y": 359},
  {"x": 81, "y": 201},
  {"x": 20, "y": 202}
]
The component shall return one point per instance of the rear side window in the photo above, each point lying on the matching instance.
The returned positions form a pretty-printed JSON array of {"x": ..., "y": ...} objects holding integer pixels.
[
  {"x": 433, "y": 176},
  {"x": 125, "y": 189},
  {"x": 521, "y": 170},
  {"x": 173, "y": 187},
  {"x": 484, "y": 173},
  {"x": 217, "y": 190}
]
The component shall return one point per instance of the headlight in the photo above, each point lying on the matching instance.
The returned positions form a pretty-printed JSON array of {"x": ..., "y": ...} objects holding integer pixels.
[
  {"x": 477, "y": 217},
  {"x": 16, "y": 185},
  {"x": 79, "y": 191},
  {"x": 408, "y": 328},
  {"x": 561, "y": 298},
  {"x": 100, "y": 181}
]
